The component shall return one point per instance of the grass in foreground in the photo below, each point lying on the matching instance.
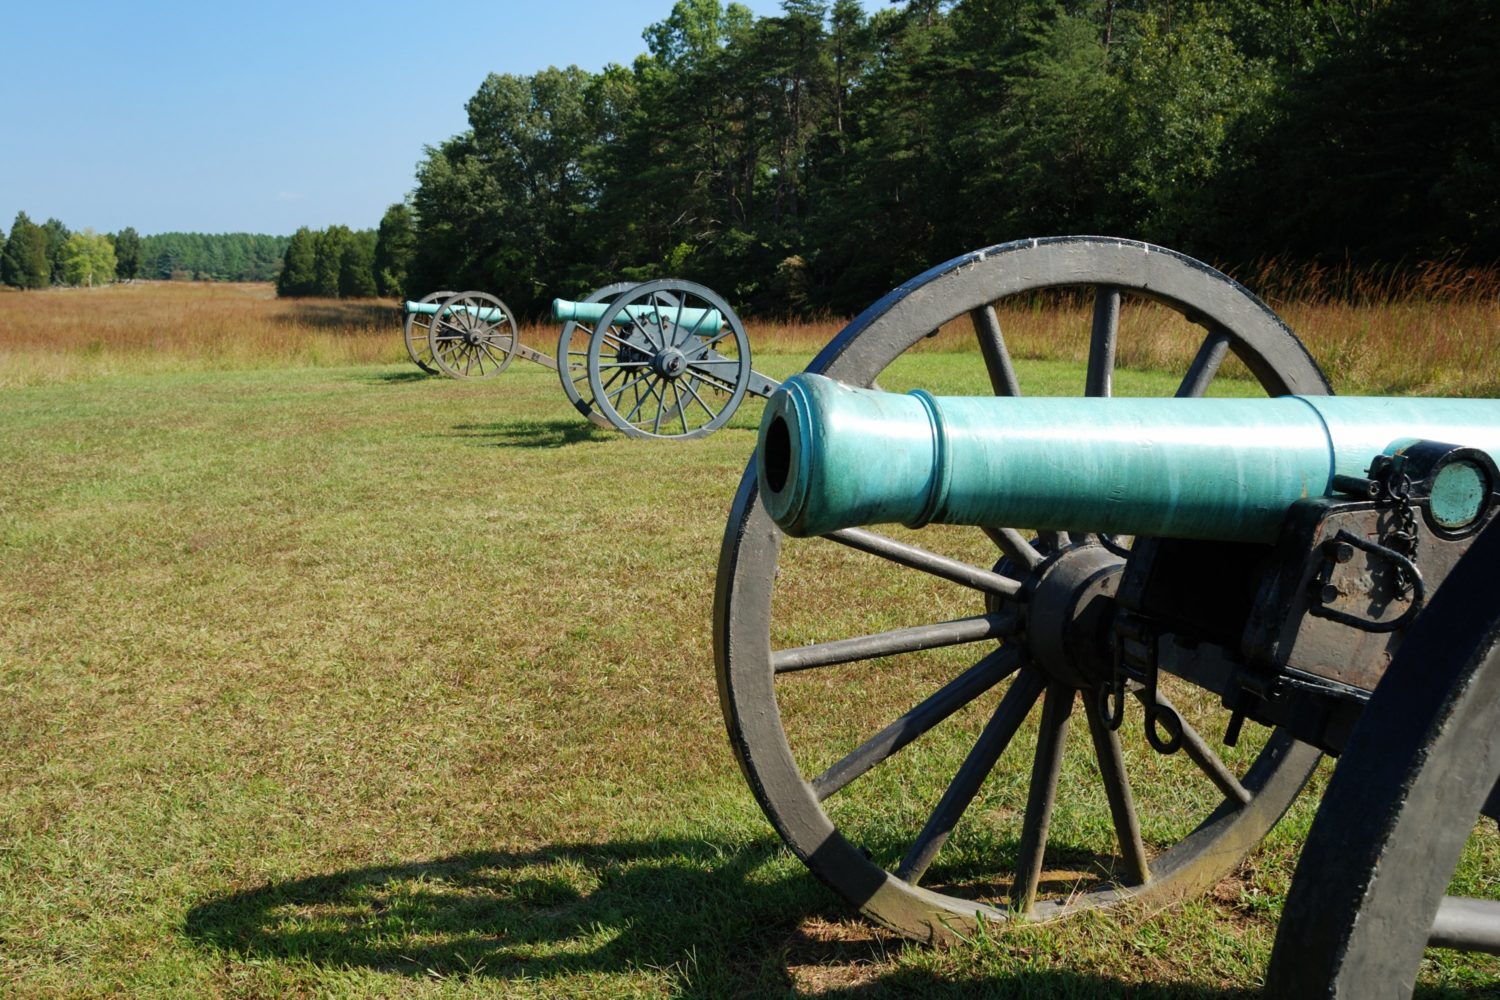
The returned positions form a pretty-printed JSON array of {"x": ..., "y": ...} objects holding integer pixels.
[{"x": 352, "y": 682}]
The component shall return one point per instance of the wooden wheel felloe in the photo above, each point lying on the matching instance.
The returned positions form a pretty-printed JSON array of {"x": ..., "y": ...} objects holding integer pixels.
[
  {"x": 669, "y": 359},
  {"x": 573, "y": 355},
  {"x": 473, "y": 335},
  {"x": 1369, "y": 893},
  {"x": 865, "y": 715},
  {"x": 415, "y": 330}
]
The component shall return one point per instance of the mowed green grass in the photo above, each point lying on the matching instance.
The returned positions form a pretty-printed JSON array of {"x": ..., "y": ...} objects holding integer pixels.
[{"x": 354, "y": 682}]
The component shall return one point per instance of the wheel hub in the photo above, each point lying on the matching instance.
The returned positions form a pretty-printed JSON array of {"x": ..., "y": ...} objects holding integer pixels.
[
  {"x": 669, "y": 363},
  {"x": 472, "y": 338},
  {"x": 1068, "y": 616}
]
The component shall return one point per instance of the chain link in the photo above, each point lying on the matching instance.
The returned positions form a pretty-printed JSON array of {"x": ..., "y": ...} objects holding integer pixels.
[{"x": 1395, "y": 487}]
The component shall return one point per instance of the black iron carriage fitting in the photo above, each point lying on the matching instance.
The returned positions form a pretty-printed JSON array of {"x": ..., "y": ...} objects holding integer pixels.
[
  {"x": 664, "y": 359},
  {"x": 1287, "y": 613}
]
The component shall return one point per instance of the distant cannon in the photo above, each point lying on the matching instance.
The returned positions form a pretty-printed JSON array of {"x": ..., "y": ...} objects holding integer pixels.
[
  {"x": 661, "y": 359},
  {"x": 1252, "y": 569}
]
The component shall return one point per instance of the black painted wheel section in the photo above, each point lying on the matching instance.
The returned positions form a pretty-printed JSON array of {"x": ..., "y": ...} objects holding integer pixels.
[{"x": 1403, "y": 800}]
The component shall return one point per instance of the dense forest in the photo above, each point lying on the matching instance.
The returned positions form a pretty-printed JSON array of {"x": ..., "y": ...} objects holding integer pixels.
[
  {"x": 811, "y": 161},
  {"x": 212, "y": 256},
  {"x": 37, "y": 256}
]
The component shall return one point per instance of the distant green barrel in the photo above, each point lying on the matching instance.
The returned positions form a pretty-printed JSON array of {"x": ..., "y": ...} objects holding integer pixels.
[
  {"x": 702, "y": 322},
  {"x": 488, "y": 314},
  {"x": 832, "y": 456}
]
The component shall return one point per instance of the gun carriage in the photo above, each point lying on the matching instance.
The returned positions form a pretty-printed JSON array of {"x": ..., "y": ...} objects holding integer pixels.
[
  {"x": 663, "y": 359},
  {"x": 1241, "y": 571}
]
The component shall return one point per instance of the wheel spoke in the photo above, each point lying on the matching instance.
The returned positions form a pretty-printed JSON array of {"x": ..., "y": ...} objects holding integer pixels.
[
  {"x": 1055, "y": 540},
  {"x": 710, "y": 379},
  {"x": 1009, "y": 715},
  {"x": 921, "y": 559},
  {"x": 708, "y": 343},
  {"x": 917, "y": 720},
  {"x": 1051, "y": 735},
  {"x": 1102, "y": 340},
  {"x": 1016, "y": 548},
  {"x": 1203, "y": 755},
  {"x": 996, "y": 357},
  {"x": 957, "y": 632},
  {"x": 1205, "y": 364},
  {"x": 632, "y": 384},
  {"x": 1117, "y": 790},
  {"x": 706, "y": 408}
]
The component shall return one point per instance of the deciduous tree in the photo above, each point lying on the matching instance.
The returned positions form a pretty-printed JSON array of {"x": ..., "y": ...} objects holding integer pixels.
[{"x": 89, "y": 259}]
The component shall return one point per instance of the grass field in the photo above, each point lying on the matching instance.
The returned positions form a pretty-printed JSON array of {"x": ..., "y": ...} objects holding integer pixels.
[{"x": 322, "y": 677}]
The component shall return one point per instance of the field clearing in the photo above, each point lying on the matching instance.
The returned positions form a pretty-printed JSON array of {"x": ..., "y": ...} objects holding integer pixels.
[
  {"x": 321, "y": 677},
  {"x": 1443, "y": 346}
]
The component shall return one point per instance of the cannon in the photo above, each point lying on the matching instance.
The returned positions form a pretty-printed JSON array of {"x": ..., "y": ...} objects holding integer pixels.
[
  {"x": 664, "y": 358},
  {"x": 1216, "y": 584}
]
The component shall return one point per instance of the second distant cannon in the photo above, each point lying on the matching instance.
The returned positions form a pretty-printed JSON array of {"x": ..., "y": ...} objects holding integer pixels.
[{"x": 665, "y": 359}]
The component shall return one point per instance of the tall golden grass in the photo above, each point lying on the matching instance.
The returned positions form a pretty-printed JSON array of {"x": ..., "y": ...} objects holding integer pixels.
[{"x": 1433, "y": 331}]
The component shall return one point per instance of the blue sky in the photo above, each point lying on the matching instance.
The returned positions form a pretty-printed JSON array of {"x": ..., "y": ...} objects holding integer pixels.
[{"x": 227, "y": 117}]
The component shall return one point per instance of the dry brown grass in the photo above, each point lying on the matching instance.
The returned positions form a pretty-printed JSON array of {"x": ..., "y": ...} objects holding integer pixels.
[
  {"x": 1435, "y": 333},
  {"x": 60, "y": 335}
]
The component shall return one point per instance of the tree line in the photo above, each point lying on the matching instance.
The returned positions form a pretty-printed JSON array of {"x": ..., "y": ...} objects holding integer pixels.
[
  {"x": 337, "y": 262},
  {"x": 37, "y": 256},
  {"x": 811, "y": 161},
  {"x": 212, "y": 256}
]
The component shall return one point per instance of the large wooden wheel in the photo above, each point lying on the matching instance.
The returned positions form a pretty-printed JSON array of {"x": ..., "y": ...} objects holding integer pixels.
[
  {"x": 1369, "y": 893},
  {"x": 473, "y": 335},
  {"x": 415, "y": 330},
  {"x": 871, "y": 681}
]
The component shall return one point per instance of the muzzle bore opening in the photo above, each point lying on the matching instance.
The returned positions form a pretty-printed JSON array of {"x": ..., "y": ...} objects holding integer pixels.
[{"x": 778, "y": 456}]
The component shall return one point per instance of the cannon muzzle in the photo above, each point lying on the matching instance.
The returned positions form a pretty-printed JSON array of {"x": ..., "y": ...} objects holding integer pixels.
[
  {"x": 700, "y": 322},
  {"x": 832, "y": 456}
]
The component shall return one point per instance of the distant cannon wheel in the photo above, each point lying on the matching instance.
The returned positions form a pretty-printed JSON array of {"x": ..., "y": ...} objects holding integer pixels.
[
  {"x": 871, "y": 681},
  {"x": 473, "y": 335},
  {"x": 1369, "y": 894},
  {"x": 573, "y": 358},
  {"x": 415, "y": 331},
  {"x": 668, "y": 359}
]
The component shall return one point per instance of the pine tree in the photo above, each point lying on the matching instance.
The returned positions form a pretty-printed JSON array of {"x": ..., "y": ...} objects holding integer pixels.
[
  {"x": 23, "y": 263},
  {"x": 57, "y": 243},
  {"x": 328, "y": 260},
  {"x": 357, "y": 266},
  {"x": 298, "y": 266},
  {"x": 127, "y": 254}
]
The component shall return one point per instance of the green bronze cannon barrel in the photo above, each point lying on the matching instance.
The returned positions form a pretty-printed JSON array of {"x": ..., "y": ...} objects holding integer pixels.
[
  {"x": 702, "y": 322},
  {"x": 832, "y": 456},
  {"x": 487, "y": 314}
]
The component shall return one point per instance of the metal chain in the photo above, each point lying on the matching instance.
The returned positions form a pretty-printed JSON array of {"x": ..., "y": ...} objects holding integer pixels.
[{"x": 1396, "y": 488}]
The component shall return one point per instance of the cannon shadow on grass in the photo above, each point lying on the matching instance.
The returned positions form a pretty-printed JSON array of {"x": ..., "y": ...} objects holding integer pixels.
[
  {"x": 340, "y": 316},
  {"x": 531, "y": 433},
  {"x": 395, "y": 378},
  {"x": 715, "y": 917}
]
